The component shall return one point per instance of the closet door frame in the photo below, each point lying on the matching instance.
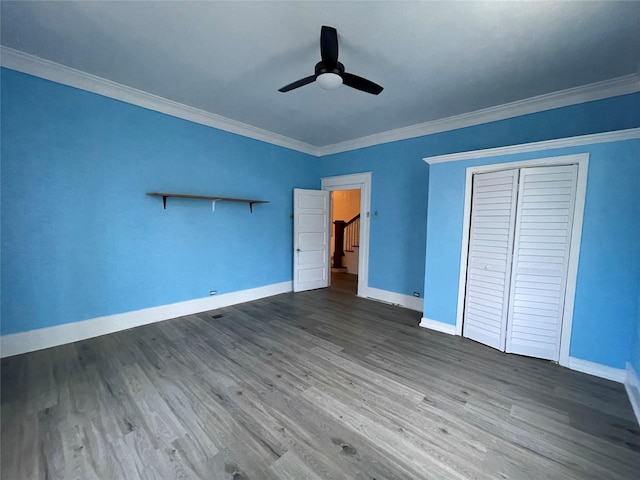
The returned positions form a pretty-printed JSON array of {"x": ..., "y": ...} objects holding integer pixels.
[{"x": 582, "y": 161}]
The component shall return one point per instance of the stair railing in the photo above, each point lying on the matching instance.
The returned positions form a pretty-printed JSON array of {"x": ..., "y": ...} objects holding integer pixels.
[
  {"x": 347, "y": 236},
  {"x": 352, "y": 234}
]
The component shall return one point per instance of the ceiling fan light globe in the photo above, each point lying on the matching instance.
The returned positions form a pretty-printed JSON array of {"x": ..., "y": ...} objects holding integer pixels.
[{"x": 329, "y": 81}]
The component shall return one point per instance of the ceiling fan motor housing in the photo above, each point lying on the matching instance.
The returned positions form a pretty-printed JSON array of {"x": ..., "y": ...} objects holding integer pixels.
[{"x": 322, "y": 68}]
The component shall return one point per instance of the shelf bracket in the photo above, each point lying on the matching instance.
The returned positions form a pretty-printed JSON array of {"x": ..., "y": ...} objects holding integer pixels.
[
  {"x": 164, "y": 201},
  {"x": 251, "y": 207},
  {"x": 213, "y": 205}
]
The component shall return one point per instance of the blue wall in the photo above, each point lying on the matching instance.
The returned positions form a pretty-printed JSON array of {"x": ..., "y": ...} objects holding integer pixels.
[
  {"x": 635, "y": 351},
  {"x": 606, "y": 301},
  {"x": 400, "y": 180},
  {"x": 80, "y": 237},
  {"x": 399, "y": 183}
]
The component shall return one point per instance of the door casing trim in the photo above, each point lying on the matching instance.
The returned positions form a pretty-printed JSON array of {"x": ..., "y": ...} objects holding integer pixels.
[
  {"x": 582, "y": 160},
  {"x": 361, "y": 181}
]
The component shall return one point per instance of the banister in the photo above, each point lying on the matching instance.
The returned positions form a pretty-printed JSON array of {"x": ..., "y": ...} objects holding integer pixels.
[
  {"x": 357, "y": 217},
  {"x": 347, "y": 236}
]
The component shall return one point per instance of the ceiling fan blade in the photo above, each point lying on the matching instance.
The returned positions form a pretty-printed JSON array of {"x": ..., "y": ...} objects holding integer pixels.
[
  {"x": 359, "y": 83},
  {"x": 297, "y": 84},
  {"x": 329, "y": 46}
]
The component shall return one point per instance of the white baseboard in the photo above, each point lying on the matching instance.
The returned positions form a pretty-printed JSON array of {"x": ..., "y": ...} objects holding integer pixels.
[
  {"x": 23, "y": 342},
  {"x": 438, "y": 326},
  {"x": 632, "y": 385},
  {"x": 597, "y": 369},
  {"x": 406, "y": 301}
]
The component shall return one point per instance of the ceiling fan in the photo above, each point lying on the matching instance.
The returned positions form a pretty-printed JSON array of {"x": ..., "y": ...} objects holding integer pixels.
[{"x": 330, "y": 72}]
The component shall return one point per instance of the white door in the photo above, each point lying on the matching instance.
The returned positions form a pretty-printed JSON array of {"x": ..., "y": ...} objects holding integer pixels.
[
  {"x": 519, "y": 240},
  {"x": 493, "y": 209},
  {"x": 546, "y": 198},
  {"x": 311, "y": 212}
]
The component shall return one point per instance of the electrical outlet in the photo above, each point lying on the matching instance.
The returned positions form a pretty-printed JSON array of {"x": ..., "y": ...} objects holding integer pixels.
[
  {"x": 212, "y": 292},
  {"x": 416, "y": 294}
]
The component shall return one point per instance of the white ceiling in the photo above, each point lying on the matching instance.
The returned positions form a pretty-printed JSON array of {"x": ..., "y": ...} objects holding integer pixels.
[{"x": 434, "y": 59}]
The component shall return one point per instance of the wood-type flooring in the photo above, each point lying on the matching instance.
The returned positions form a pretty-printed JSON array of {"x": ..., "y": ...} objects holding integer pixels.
[{"x": 313, "y": 385}]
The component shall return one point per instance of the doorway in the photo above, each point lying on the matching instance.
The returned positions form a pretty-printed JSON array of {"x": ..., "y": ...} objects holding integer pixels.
[
  {"x": 350, "y": 199},
  {"x": 345, "y": 240}
]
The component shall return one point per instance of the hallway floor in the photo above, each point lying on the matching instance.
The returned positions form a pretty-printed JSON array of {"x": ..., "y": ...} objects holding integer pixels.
[{"x": 344, "y": 282}]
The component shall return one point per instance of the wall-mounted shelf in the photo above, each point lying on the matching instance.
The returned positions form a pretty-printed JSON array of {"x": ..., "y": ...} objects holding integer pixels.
[{"x": 213, "y": 199}]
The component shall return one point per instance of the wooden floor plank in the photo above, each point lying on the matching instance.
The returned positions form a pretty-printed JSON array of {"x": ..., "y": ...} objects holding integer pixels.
[{"x": 316, "y": 385}]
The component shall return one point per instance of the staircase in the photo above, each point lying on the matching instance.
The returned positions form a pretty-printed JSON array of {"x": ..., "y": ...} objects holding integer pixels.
[{"x": 347, "y": 240}]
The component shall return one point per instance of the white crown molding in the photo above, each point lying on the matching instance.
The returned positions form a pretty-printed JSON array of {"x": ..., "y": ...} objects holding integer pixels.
[
  {"x": 23, "y": 342},
  {"x": 603, "y": 371},
  {"x": 573, "y": 96},
  {"x": 39, "y": 67},
  {"x": 618, "y": 135},
  {"x": 438, "y": 326}
]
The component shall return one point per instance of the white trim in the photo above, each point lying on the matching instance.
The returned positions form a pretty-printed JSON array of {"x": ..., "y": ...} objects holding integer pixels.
[
  {"x": 563, "y": 98},
  {"x": 616, "y": 136},
  {"x": 39, "y": 67},
  {"x": 360, "y": 181},
  {"x": 597, "y": 369},
  {"x": 438, "y": 326},
  {"x": 582, "y": 160},
  {"x": 23, "y": 342},
  {"x": 350, "y": 179},
  {"x": 393, "y": 298},
  {"x": 574, "y": 254},
  {"x": 632, "y": 385}
]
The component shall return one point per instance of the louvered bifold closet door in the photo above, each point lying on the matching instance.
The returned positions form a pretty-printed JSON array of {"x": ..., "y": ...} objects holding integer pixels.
[
  {"x": 493, "y": 206},
  {"x": 546, "y": 200}
]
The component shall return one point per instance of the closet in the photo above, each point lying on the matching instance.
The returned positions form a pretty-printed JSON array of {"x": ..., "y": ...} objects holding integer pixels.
[{"x": 519, "y": 239}]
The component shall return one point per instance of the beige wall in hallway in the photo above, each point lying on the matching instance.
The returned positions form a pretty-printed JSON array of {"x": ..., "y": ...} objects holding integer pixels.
[{"x": 346, "y": 204}]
